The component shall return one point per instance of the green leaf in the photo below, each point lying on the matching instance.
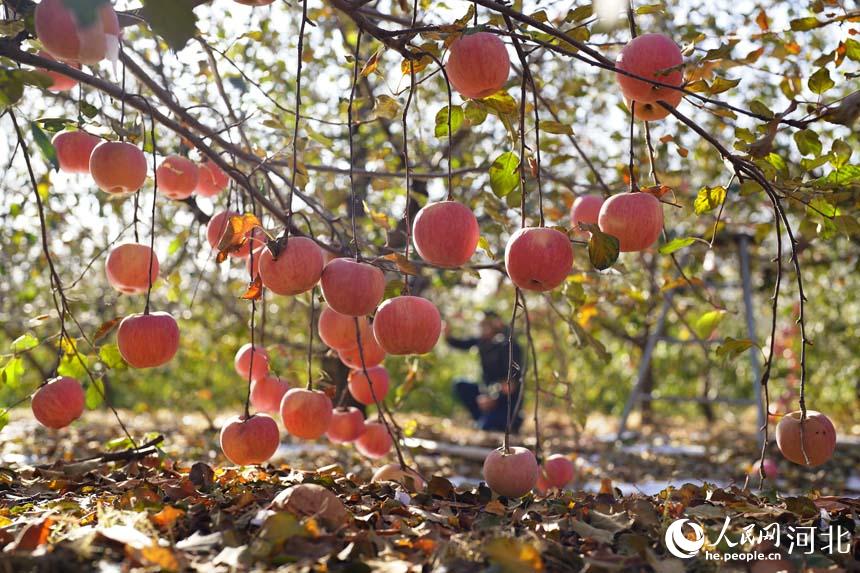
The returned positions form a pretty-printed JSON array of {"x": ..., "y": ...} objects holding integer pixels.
[
  {"x": 722, "y": 84},
  {"x": 759, "y": 108},
  {"x": 820, "y": 81},
  {"x": 177, "y": 242},
  {"x": 109, "y": 355},
  {"x": 556, "y": 127},
  {"x": 852, "y": 49},
  {"x": 501, "y": 102},
  {"x": 676, "y": 245},
  {"x": 4, "y": 419},
  {"x": 650, "y": 9},
  {"x": 475, "y": 113},
  {"x": 807, "y": 142},
  {"x": 24, "y": 343},
  {"x": 803, "y": 24},
  {"x": 840, "y": 153},
  {"x": 847, "y": 175},
  {"x": 707, "y": 323},
  {"x": 733, "y": 347},
  {"x": 46, "y": 148},
  {"x": 12, "y": 371},
  {"x": 603, "y": 249},
  {"x": 709, "y": 198},
  {"x": 579, "y": 13},
  {"x": 457, "y": 117},
  {"x": 173, "y": 20},
  {"x": 94, "y": 395},
  {"x": 386, "y": 107},
  {"x": 11, "y": 87},
  {"x": 504, "y": 174}
]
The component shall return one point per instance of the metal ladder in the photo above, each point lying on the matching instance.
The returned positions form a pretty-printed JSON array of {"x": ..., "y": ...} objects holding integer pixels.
[{"x": 639, "y": 395}]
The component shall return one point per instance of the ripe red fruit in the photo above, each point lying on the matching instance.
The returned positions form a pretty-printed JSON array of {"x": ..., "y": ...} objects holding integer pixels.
[
  {"x": 513, "y": 473},
  {"x": 177, "y": 177},
  {"x": 346, "y": 425},
  {"x": 478, "y": 65},
  {"x": 338, "y": 330},
  {"x": 218, "y": 225},
  {"x": 635, "y": 219},
  {"x": 408, "y": 478},
  {"x": 407, "y": 325},
  {"x": 267, "y": 392},
  {"x": 445, "y": 234},
  {"x": 118, "y": 167},
  {"x": 74, "y": 149},
  {"x": 128, "y": 268},
  {"x": 148, "y": 340},
  {"x": 360, "y": 386},
  {"x": 296, "y": 270},
  {"x": 771, "y": 470},
  {"x": 306, "y": 413},
  {"x": 66, "y": 39},
  {"x": 652, "y": 111},
  {"x": 212, "y": 179},
  {"x": 538, "y": 258},
  {"x": 242, "y": 362},
  {"x": 373, "y": 353},
  {"x": 249, "y": 441},
  {"x": 61, "y": 82},
  {"x": 58, "y": 403},
  {"x": 585, "y": 209},
  {"x": 558, "y": 470},
  {"x": 351, "y": 287},
  {"x": 819, "y": 438},
  {"x": 649, "y": 56},
  {"x": 375, "y": 441}
]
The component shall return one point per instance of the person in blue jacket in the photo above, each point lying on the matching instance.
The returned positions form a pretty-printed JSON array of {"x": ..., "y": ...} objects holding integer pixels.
[{"x": 487, "y": 402}]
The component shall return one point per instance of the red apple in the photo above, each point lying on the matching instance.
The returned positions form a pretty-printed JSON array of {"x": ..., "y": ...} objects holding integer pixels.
[
  {"x": 296, "y": 269},
  {"x": 346, "y": 425},
  {"x": 652, "y": 111},
  {"x": 243, "y": 365},
  {"x": 445, "y": 234},
  {"x": 338, "y": 330},
  {"x": 558, "y": 470},
  {"x": 306, "y": 413},
  {"x": 249, "y": 441},
  {"x": 267, "y": 392},
  {"x": 177, "y": 177},
  {"x": 61, "y": 82},
  {"x": 819, "y": 438},
  {"x": 538, "y": 258},
  {"x": 375, "y": 441},
  {"x": 218, "y": 225},
  {"x": 360, "y": 386},
  {"x": 212, "y": 179},
  {"x": 651, "y": 56},
  {"x": 58, "y": 403},
  {"x": 513, "y": 473},
  {"x": 408, "y": 478},
  {"x": 68, "y": 40},
  {"x": 74, "y": 149},
  {"x": 585, "y": 209},
  {"x": 148, "y": 340},
  {"x": 118, "y": 167},
  {"x": 478, "y": 64},
  {"x": 771, "y": 470},
  {"x": 635, "y": 219},
  {"x": 351, "y": 287},
  {"x": 372, "y": 352},
  {"x": 407, "y": 325},
  {"x": 131, "y": 267}
]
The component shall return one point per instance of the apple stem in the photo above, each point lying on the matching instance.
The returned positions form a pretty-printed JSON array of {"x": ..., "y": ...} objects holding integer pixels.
[
  {"x": 310, "y": 385},
  {"x": 154, "y": 201},
  {"x": 509, "y": 418},
  {"x": 351, "y": 127}
]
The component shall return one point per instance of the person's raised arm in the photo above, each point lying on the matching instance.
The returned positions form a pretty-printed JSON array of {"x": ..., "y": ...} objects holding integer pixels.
[{"x": 459, "y": 343}]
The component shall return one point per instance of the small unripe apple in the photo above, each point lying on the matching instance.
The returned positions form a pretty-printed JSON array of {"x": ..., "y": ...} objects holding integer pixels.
[
  {"x": 243, "y": 363},
  {"x": 212, "y": 179},
  {"x": 558, "y": 470},
  {"x": 819, "y": 438},
  {"x": 67, "y": 39},
  {"x": 118, "y": 167},
  {"x": 58, "y": 403},
  {"x": 585, "y": 209},
  {"x": 635, "y": 219},
  {"x": 338, "y": 330},
  {"x": 360, "y": 386},
  {"x": 408, "y": 478},
  {"x": 375, "y": 442},
  {"x": 74, "y": 149},
  {"x": 538, "y": 258},
  {"x": 407, "y": 325},
  {"x": 296, "y": 269},
  {"x": 267, "y": 393},
  {"x": 651, "y": 56},
  {"x": 177, "y": 177},
  {"x": 131, "y": 268},
  {"x": 445, "y": 234},
  {"x": 370, "y": 349},
  {"x": 306, "y": 413},
  {"x": 346, "y": 425},
  {"x": 148, "y": 340},
  {"x": 249, "y": 441},
  {"x": 478, "y": 65},
  {"x": 352, "y": 288},
  {"x": 61, "y": 82},
  {"x": 513, "y": 473}
]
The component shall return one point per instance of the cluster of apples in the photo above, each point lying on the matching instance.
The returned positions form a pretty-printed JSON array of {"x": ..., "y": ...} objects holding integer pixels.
[
  {"x": 635, "y": 219},
  {"x": 515, "y": 472}
]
